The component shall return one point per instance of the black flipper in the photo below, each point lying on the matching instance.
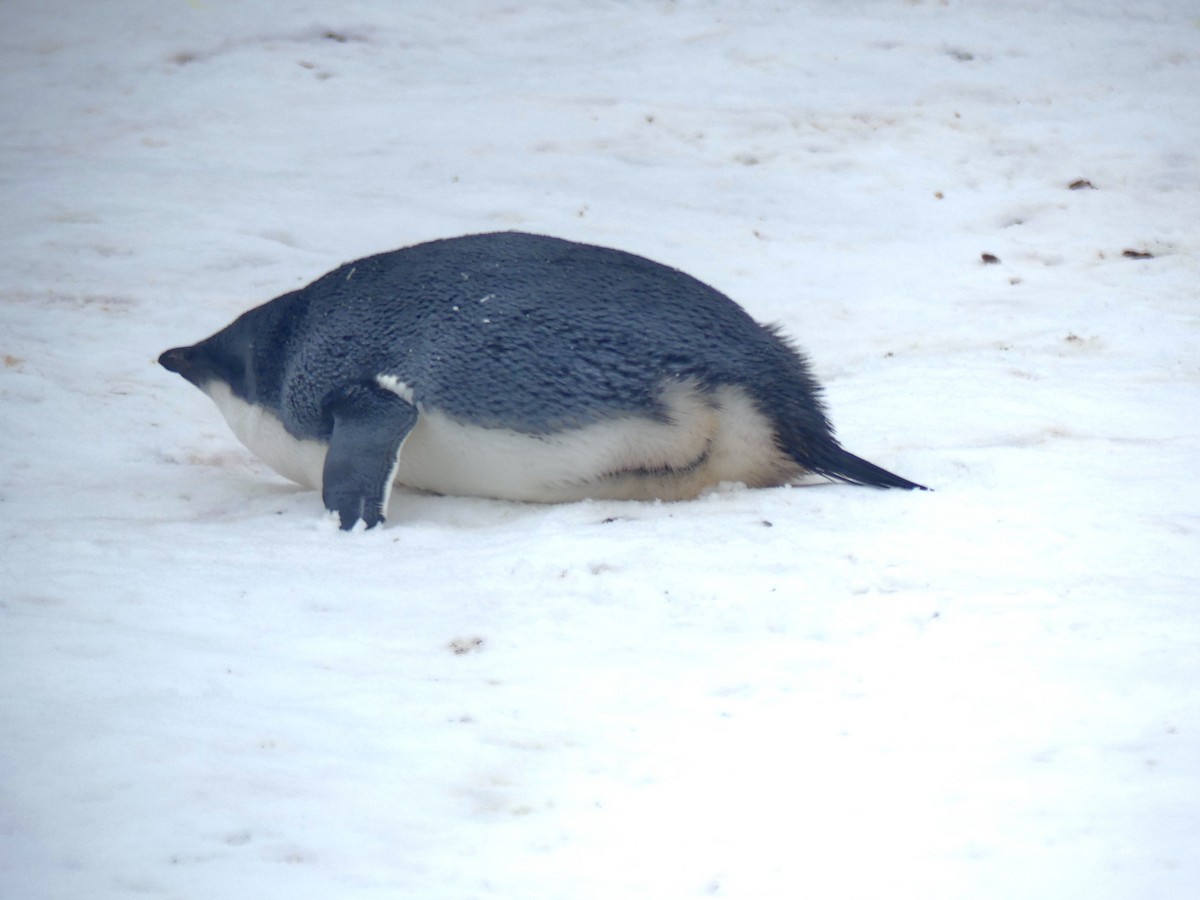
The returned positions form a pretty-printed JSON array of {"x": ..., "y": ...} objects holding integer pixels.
[
  {"x": 369, "y": 425},
  {"x": 841, "y": 465}
]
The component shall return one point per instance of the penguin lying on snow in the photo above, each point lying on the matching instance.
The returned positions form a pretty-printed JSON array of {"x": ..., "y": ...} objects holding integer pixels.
[{"x": 519, "y": 367}]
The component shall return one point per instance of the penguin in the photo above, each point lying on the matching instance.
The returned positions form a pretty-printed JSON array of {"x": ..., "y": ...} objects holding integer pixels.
[{"x": 519, "y": 367}]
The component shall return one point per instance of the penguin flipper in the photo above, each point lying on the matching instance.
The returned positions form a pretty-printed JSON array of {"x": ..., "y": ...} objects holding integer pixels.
[{"x": 369, "y": 426}]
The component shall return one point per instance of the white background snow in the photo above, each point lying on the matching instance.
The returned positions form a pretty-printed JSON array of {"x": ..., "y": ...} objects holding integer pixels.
[{"x": 989, "y": 691}]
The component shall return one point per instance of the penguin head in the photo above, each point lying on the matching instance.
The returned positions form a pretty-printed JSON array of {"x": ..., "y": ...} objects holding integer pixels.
[{"x": 222, "y": 358}]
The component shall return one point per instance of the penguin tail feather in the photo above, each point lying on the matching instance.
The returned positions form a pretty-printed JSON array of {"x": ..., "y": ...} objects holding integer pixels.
[{"x": 841, "y": 465}]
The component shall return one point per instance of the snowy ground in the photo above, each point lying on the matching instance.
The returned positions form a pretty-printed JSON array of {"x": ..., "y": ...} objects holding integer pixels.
[{"x": 990, "y": 691}]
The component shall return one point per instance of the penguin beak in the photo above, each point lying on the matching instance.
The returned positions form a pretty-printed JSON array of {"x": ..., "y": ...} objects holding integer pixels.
[{"x": 179, "y": 360}]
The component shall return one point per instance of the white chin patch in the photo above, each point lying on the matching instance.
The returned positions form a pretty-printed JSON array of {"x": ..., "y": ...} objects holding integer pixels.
[
  {"x": 705, "y": 439},
  {"x": 264, "y": 435}
]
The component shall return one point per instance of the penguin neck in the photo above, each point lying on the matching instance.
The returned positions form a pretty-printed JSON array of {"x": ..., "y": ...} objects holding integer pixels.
[{"x": 264, "y": 434}]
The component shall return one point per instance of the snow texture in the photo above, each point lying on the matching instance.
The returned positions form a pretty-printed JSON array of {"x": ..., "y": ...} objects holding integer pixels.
[{"x": 987, "y": 691}]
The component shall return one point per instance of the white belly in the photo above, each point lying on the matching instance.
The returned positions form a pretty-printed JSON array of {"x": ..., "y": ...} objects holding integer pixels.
[{"x": 706, "y": 439}]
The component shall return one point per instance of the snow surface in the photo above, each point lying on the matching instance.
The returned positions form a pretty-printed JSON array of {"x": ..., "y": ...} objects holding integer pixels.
[{"x": 989, "y": 691}]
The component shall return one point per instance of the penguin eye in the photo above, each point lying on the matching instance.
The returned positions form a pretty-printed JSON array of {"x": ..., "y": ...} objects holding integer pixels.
[
  {"x": 233, "y": 363},
  {"x": 249, "y": 380}
]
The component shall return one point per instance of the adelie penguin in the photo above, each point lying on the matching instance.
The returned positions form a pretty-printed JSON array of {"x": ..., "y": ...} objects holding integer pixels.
[{"x": 519, "y": 367}]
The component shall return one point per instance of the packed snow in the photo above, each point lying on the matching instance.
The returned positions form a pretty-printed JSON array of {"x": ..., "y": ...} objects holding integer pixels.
[{"x": 981, "y": 220}]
